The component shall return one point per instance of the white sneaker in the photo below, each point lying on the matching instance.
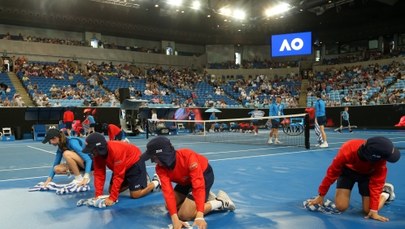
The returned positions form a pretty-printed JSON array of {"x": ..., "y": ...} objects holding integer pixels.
[
  {"x": 140, "y": 129},
  {"x": 269, "y": 141},
  {"x": 158, "y": 187},
  {"x": 389, "y": 188},
  {"x": 277, "y": 142},
  {"x": 227, "y": 203},
  {"x": 76, "y": 182},
  {"x": 211, "y": 196},
  {"x": 324, "y": 145}
]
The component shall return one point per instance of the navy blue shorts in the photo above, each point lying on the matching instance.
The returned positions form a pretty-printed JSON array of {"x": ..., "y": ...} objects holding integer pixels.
[
  {"x": 345, "y": 122},
  {"x": 92, "y": 125},
  {"x": 348, "y": 177},
  {"x": 275, "y": 124},
  {"x": 209, "y": 181},
  {"x": 321, "y": 120},
  {"x": 120, "y": 136},
  {"x": 68, "y": 125},
  {"x": 135, "y": 177}
]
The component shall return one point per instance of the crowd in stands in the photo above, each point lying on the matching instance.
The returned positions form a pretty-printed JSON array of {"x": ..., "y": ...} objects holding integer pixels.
[
  {"x": 256, "y": 63},
  {"x": 370, "y": 85},
  {"x": 49, "y": 84},
  {"x": 363, "y": 56}
]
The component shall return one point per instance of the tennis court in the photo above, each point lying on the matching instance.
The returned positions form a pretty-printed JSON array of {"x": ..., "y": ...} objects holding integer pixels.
[{"x": 268, "y": 184}]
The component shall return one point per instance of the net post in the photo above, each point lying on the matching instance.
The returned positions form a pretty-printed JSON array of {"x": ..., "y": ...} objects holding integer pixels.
[
  {"x": 306, "y": 132},
  {"x": 204, "y": 127},
  {"x": 147, "y": 129}
]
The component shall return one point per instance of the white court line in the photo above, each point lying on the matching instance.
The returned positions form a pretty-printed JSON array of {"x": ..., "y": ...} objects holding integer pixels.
[
  {"x": 270, "y": 155},
  {"x": 47, "y": 151},
  {"x": 9, "y": 170}
]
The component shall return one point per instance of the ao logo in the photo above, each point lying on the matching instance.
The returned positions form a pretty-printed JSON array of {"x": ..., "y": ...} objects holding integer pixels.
[
  {"x": 291, "y": 44},
  {"x": 296, "y": 44}
]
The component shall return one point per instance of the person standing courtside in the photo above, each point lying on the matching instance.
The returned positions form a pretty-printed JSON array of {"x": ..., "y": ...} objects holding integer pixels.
[
  {"x": 345, "y": 120},
  {"x": 320, "y": 114},
  {"x": 276, "y": 109},
  {"x": 68, "y": 118}
]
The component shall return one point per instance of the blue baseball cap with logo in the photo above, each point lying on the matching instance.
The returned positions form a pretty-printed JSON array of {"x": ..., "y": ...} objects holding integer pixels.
[
  {"x": 162, "y": 148},
  {"x": 380, "y": 148}
]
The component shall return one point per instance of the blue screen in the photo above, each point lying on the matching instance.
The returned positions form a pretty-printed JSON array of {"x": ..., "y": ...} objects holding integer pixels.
[{"x": 292, "y": 44}]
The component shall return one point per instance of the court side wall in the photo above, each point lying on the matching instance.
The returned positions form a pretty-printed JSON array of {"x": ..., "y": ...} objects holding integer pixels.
[
  {"x": 53, "y": 52},
  {"x": 369, "y": 117}
]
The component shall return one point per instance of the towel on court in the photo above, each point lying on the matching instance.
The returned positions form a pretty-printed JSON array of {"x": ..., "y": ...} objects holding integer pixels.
[
  {"x": 328, "y": 207},
  {"x": 40, "y": 187},
  {"x": 93, "y": 202},
  {"x": 60, "y": 188},
  {"x": 170, "y": 226},
  {"x": 72, "y": 188}
]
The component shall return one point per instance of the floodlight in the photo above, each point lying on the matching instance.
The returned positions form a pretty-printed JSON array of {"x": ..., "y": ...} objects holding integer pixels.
[{"x": 278, "y": 9}]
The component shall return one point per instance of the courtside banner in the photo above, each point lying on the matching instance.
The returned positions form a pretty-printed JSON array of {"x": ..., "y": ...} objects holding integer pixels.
[{"x": 292, "y": 44}]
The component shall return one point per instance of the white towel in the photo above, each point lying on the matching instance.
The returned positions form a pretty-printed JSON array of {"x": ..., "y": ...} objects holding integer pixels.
[
  {"x": 94, "y": 202},
  {"x": 328, "y": 207}
]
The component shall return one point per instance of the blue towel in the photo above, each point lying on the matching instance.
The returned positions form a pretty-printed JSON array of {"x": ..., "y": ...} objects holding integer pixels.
[
  {"x": 328, "y": 207},
  {"x": 94, "y": 202}
]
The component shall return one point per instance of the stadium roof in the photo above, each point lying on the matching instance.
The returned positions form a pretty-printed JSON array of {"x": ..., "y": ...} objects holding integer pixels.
[{"x": 329, "y": 20}]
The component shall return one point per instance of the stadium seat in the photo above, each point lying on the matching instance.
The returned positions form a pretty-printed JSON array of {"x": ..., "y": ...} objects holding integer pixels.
[
  {"x": 6, "y": 131},
  {"x": 39, "y": 131}
]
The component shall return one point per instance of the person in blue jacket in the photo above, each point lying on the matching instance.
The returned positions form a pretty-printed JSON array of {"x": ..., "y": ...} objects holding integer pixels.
[
  {"x": 276, "y": 109},
  {"x": 70, "y": 149}
]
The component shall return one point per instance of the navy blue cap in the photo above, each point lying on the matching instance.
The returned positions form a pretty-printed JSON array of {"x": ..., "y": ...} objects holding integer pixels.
[
  {"x": 156, "y": 146},
  {"x": 95, "y": 140},
  {"x": 380, "y": 148},
  {"x": 51, "y": 133}
]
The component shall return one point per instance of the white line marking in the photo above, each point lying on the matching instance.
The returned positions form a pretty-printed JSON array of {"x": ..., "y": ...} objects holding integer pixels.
[
  {"x": 9, "y": 170},
  {"x": 46, "y": 151},
  {"x": 20, "y": 179},
  {"x": 270, "y": 155}
]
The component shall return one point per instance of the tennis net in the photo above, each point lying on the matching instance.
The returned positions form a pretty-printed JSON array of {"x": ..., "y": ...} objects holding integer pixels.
[{"x": 292, "y": 131}]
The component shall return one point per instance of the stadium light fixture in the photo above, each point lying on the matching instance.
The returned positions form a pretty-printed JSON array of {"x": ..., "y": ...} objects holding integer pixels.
[
  {"x": 196, "y": 5},
  {"x": 175, "y": 2},
  {"x": 239, "y": 14},
  {"x": 225, "y": 11},
  {"x": 278, "y": 9}
]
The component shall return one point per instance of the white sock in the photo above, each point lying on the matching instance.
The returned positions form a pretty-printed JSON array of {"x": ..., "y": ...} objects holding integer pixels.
[
  {"x": 385, "y": 195},
  {"x": 79, "y": 177},
  {"x": 215, "y": 204},
  {"x": 155, "y": 182}
]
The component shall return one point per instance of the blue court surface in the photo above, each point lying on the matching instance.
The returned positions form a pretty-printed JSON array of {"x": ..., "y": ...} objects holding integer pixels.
[{"x": 267, "y": 183}]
